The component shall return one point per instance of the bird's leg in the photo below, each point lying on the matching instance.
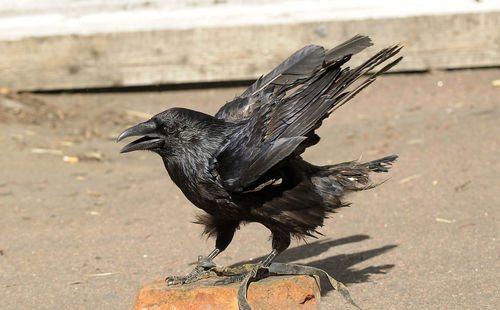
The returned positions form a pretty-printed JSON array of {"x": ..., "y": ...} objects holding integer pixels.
[
  {"x": 201, "y": 271},
  {"x": 207, "y": 261},
  {"x": 205, "y": 267},
  {"x": 267, "y": 261}
]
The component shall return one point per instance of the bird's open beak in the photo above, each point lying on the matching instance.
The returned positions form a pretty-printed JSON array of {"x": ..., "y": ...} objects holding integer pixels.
[{"x": 149, "y": 140}]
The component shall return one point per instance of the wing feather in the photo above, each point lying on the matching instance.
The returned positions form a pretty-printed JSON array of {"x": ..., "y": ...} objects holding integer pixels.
[
  {"x": 273, "y": 127},
  {"x": 300, "y": 66},
  {"x": 254, "y": 166}
]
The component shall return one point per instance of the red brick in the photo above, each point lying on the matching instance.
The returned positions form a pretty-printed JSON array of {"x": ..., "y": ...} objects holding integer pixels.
[{"x": 283, "y": 292}]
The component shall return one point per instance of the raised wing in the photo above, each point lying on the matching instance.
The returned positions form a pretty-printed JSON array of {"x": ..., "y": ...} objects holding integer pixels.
[
  {"x": 280, "y": 126},
  {"x": 299, "y": 67}
]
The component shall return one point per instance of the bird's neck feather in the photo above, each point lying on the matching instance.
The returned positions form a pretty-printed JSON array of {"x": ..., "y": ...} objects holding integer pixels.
[{"x": 190, "y": 166}]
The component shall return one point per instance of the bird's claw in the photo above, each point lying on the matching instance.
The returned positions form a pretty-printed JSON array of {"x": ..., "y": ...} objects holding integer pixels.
[
  {"x": 174, "y": 280},
  {"x": 203, "y": 270},
  {"x": 196, "y": 274}
]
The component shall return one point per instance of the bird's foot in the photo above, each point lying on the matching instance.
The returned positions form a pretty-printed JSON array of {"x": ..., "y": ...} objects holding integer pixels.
[{"x": 203, "y": 270}]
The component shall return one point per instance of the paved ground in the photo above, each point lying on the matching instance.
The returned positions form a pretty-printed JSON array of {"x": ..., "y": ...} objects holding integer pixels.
[{"x": 86, "y": 235}]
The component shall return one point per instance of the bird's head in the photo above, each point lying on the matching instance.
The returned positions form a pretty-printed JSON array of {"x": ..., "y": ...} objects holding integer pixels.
[{"x": 165, "y": 133}]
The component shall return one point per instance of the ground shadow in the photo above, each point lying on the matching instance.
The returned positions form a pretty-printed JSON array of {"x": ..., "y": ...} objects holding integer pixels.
[{"x": 338, "y": 266}]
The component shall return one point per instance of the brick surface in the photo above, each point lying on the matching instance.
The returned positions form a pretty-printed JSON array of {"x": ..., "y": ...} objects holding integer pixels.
[{"x": 284, "y": 292}]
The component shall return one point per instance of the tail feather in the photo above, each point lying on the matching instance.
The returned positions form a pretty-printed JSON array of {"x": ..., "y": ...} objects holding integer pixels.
[{"x": 334, "y": 181}]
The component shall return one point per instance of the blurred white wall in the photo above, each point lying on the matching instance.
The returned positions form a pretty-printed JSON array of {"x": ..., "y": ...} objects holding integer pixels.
[
  {"x": 27, "y": 18},
  {"x": 60, "y": 44}
]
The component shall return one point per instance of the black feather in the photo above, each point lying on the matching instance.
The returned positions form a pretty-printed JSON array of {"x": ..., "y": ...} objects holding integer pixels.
[
  {"x": 299, "y": 67},
  {"x": 243, "y": 164}
]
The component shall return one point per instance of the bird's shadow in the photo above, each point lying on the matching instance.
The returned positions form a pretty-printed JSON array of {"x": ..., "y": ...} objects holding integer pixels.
[{"x": 339, "y": 266}]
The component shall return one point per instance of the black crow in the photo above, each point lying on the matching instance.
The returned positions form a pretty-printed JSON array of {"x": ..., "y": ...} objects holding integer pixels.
[{"x": 243, "y": 164}]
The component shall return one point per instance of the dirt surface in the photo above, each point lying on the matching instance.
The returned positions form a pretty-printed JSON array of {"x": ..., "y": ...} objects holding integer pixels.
[{"x": 86, "y": 235}]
